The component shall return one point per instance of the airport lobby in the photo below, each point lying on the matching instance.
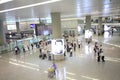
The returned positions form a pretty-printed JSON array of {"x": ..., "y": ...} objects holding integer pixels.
[{"x": 66, "y": 31}]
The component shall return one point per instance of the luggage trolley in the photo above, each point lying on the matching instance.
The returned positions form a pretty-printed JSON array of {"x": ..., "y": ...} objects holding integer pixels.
[{"x": 51, "y": 72}]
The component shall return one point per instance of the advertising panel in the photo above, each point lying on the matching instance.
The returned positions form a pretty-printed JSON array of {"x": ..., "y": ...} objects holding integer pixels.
[{"x": 58, "y": 46}]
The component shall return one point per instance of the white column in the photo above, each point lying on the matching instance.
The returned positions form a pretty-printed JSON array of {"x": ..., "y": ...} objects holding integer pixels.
[
  {"x": 2, "y": 34},
  {"x": 100, "y": 29},
  {"x": 56, "y": 25},
  {"x": 18, "y": 27},
  {"x": 88, "y": 22}
]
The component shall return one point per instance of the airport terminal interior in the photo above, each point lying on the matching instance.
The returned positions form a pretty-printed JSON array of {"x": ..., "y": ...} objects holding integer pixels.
[{"x": 59, "y": 40}]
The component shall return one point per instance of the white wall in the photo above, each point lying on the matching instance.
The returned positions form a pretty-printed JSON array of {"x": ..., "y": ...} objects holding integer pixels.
[{"x": 68, "y": 25}]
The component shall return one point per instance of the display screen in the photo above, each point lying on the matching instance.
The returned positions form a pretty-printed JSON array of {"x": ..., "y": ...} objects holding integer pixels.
[
  {"x": 32, "y": 25},
  {"x": 44, "y": 30}
]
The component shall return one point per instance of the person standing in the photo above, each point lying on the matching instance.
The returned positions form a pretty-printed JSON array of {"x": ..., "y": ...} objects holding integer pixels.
[
  {"x": 55, "y": 67},
  {"x": 71, "y": 53},
  {"x": 101, "y": 47},
  {"x": 99, "y": 53},
  {"x": 98, "y": 58},
  {"x": 112, "y": 31},
  {"x": 49, "y": 55},
  {"x": 16, "y": 50},
  {"x": 79, "y": 44},
  {"x": 95, "y": 48},
  {"x": 23, "y": 49},
  {"x": 32, "y": 46},
  {"x": 102, "y": 57},
  {"x": 74, "y": 45},
  {"x": 28, "y": 48},
  {"x": 40, "y": 49}
]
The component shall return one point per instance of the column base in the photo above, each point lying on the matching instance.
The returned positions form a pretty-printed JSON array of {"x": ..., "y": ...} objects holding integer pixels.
[{"x": 59, "y": 57}]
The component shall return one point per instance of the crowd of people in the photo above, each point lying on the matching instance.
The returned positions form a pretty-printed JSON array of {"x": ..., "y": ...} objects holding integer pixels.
[
  {"x": 42, "y": 45},
  {"x": 69, "y": 46},
  {"x": 98, "y": 50}
]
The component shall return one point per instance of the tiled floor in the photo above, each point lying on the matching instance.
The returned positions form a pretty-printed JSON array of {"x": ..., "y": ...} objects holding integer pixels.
[{"x": 82, "y": 66}]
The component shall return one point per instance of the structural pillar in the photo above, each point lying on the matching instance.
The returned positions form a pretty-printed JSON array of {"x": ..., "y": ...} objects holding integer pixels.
[
  {"x": 88, "y": 22},
  {"x": 100, "y": 28},
  {"x": 18, "y": 27},
  {"x": 56, "y": 25},
  {"x": 56, "y": 32},
  {"x": 2, "y": 34}
]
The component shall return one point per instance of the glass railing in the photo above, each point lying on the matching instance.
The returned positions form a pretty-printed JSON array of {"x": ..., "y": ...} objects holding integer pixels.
[{"x": 22, "y": 42}]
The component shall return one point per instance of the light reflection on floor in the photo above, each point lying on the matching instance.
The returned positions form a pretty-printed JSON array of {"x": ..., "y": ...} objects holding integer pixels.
[
  {"x": 88, "y": 49},
  {"x": 24, "y": 66},
  {"x": 107, "y": 35},
  {"x": 112, "y": 44},
  {"x": 63, "y": 74},
  {"x": 18, "y": 61}
]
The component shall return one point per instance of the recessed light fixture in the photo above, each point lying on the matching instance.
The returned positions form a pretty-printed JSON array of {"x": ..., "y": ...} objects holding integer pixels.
[
  {"x": 4, "y": 1},
  {"x": 31, "y": 5}
]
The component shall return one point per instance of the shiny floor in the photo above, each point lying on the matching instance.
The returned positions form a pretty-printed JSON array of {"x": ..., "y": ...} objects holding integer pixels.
[{"x": 82, "y": 66}]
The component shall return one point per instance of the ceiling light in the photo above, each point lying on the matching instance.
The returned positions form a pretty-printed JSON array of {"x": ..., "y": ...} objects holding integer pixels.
[
  {"x": 31, "y": 5},
  {"x": 4, "y": 1}
]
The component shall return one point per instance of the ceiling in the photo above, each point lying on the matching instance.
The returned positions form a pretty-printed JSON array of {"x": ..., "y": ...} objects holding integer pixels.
[{"x": 14, "y": 10}]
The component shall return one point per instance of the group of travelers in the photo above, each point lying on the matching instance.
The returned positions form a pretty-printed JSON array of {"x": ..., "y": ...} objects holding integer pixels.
[
  {"x": 71, "y": 46},
  {"x": 43, "y": 53},
  {"x": 44, "y": 50},
  {"x": 99, "y": 52},
  {"x": 17, "y": 49},
  {"x": 25, "y": 48}
]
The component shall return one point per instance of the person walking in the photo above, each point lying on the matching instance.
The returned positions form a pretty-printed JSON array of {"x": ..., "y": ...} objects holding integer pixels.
[
  {"x": 40, "y": 56},
  {"x": 95, "y": 48},
  {"x": 74, "y": 45},
  {"x": 23, "y": 49},
  {"x": 71, "y": 52},
  {"x": 79, "y": 43},
  {"x": 28, "y": 48},
  {"x": 16, "y": 50},
  {"x": 32, "y": 46},
  {"x": 55, "y": 67},
  {"x": 99, "y": 53},
  {"x": 102, "y": 56},
  {"x": 98, "y": 58}
]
